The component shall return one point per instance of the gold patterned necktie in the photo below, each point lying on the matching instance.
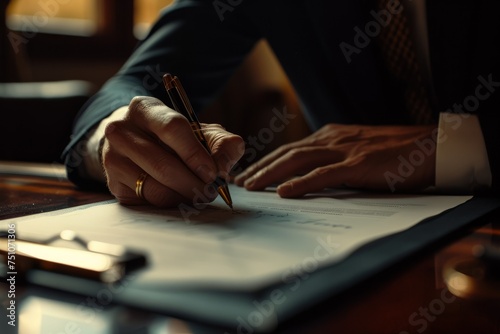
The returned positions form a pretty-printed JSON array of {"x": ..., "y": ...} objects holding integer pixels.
[{"x": 401, "y": 59}]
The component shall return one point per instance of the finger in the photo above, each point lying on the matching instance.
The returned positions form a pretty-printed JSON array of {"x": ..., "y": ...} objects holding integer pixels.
[
  {"x": 173, "y": 129},
  {"x": 265, "y": 161},
  {"x": 146, "y": 153},
  {"x": 226, "y": 147},
  {"x": 333, "y": 176},
  {"x": 157, "y": 194},
  {"x": 296, "y": 161},
  {"x": 122, "y": 175},
  {"x": 161, "y": 196}
]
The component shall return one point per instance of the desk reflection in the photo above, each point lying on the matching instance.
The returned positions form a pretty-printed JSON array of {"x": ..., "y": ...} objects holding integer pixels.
[{"x": 41, "y": 311}]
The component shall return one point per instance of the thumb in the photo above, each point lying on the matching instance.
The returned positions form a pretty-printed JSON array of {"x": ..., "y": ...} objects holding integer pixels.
[{"x": 226, "y": 147}]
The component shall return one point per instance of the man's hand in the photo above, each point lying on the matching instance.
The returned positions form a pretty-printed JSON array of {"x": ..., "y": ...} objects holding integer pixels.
[
  {"x": 154, "y": 139},
  {"x": 388, "y": 158}
]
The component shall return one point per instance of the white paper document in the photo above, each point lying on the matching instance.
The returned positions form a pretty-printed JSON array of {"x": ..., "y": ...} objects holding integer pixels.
[{"x": 265, "y": 239}]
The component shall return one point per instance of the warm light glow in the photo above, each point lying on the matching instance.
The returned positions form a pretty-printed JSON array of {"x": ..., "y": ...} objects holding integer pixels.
[
  {"x": 66, "y": 256},
  {"x": 145, "y": 13},
  {"x": 459, "y": 285},
  {"x": 74, "y": 9},
  {"x": 76, "y": 17}
]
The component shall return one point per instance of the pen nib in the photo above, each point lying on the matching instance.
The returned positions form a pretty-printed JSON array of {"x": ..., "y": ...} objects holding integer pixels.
[{"x": 224, "y": 193}]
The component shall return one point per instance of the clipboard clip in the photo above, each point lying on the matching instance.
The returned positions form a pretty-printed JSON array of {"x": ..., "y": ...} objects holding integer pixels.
[{"x": 95, "y": 260}]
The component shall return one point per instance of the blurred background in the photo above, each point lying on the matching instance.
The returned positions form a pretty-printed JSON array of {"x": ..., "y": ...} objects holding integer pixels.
[{"x": 54, "y": 54}]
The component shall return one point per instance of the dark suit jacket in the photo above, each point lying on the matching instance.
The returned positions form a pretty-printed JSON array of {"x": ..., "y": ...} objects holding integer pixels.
[{"x": 203, "y": 44}]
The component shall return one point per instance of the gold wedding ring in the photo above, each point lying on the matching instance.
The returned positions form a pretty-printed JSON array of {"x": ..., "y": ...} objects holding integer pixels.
[{"x": 138, "y": 185}]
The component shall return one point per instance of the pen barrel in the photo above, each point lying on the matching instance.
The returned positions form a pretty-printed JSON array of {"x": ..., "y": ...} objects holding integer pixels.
[
  {"x": 198, "y": 132},
  {"x": 177, "y": 103},
  {"x": 181, "y": 108},
  {"x": 182, "y": 104}
]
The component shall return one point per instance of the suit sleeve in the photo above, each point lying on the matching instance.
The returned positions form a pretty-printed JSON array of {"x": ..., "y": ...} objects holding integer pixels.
[{"x": 191, "y": 40}]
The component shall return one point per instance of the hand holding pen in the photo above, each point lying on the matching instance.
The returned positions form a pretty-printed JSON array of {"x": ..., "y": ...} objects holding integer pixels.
[
  {"x": 182, "y": 104},
  {"x": 150, "y": 154}
]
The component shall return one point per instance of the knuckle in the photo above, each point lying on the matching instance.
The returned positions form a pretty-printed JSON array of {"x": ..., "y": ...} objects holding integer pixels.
[
  {"x": 295, "y": 154},
  {"x": 113, "y": 127},
  {"x": 227, "y": 140},
  {"x": 137, "y": 104},
  {"x": 327, "y": 127},
  {"x": 284, "y": 149},
  {"x": 330, "y": 127},
  {"x": 322, "y": 171},
  {"x": 140, "y": 102},
  {"x": 174, "y": 122}
]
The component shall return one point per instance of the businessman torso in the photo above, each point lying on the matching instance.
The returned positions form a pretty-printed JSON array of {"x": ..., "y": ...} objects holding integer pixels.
[
  {"x": 203, "y": 44},
  {"x": 331, "y": 53}
]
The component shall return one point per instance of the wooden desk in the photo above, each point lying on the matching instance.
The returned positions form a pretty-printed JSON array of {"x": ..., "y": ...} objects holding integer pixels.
[{"x": 410, "y": 298}]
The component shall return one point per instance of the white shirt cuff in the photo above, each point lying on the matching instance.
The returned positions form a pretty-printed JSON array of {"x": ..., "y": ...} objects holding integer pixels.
[{"x": 461, "y": 158}]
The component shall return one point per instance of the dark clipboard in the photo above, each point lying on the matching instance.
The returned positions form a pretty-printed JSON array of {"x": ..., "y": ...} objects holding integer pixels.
[{"x": 223, "y": 308}]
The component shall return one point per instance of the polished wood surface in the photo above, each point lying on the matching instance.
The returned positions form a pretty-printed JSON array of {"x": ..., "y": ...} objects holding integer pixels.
[
  {"x": 26, "y": 195},
  {"x": 412, "y": 297}
]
